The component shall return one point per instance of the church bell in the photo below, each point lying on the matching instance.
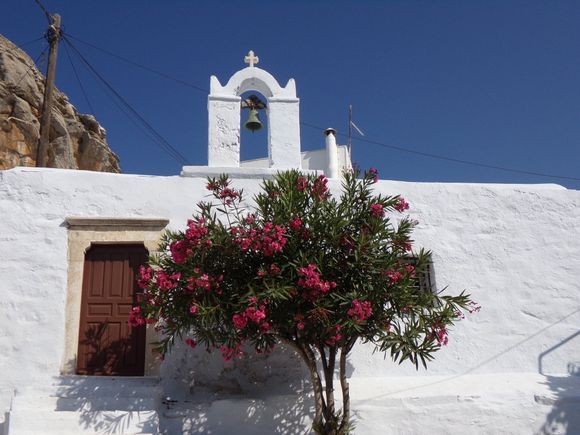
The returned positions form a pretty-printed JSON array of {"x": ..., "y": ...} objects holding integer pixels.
[{"x": 253, "y": 123}]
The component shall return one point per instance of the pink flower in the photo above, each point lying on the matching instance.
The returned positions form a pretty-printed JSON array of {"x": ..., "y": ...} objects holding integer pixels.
[
  {"x": 301, "y": 184},
  {"x": 193, "y": 309},
  {"x": 135, "y": 317},
  {"x": 190, "y": 342},
  {"x": 394, "y": 276},
  {"x": 319, "y": 189},
  {"x": 410, "y": 269},
  {"x": 312, "y": 283},
  {"x": 440, "y": 333},
  {"x": 473, "y": 307},
  {"x": 377, "y": 210},
  {"x": 360, "y": 311},
  {"x": 145, "y": 276},
  {"x": 196, "y": 231},
  {"x": 375, "y": 173},
  {"x": 179, "y": 251},
  {"x": 166, "y": 281},
  {"x": 295, "y": 224},
  {"x": 268, "y": 240},
  {"x": 333, "y": 339},
  {"x": 240, "y": 321},
  {"x": 402, "y": 205}
]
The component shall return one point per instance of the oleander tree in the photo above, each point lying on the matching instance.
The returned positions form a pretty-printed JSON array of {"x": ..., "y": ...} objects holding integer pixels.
[{"x": 303, "y": 268}]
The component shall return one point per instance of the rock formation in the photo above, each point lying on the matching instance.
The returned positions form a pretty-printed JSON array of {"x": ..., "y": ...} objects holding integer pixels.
[{"x": 77, "y": 141}]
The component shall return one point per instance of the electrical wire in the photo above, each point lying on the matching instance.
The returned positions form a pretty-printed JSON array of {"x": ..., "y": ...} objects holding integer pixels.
[
  {"x": 151, "y": 132},
  {"x": 46, "y": 13},
  {"x": 143, "y": 67},
  {"x": 364, "y": 140},
  {"x": 78, "y": 79},
  {"x": 32, "y": 65},
  {"x": 21, "y": 46},
  {"x": 450, "y": 159}
]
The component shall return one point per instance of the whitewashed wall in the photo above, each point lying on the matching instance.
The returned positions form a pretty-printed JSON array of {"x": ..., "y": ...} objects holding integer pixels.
[{"x": 515, "y": 248}]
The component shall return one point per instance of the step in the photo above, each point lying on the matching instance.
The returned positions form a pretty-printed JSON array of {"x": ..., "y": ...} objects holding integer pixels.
[
  {"x": 29, "y": 421},
  {"x": 94, "y": 403},
  {"x": 91, "y": 390},
  {"x": 122, "y": 381}
]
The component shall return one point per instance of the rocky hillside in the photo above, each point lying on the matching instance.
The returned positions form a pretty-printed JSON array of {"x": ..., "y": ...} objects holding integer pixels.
[{"x": 77, "y": 141}]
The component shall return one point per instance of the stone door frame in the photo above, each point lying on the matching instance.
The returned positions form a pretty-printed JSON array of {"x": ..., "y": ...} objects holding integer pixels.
[{"x": 82, "y": 233}]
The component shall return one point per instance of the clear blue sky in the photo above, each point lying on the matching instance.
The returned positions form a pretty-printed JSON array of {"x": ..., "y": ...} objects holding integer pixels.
[{"x": 496, "y": 82}]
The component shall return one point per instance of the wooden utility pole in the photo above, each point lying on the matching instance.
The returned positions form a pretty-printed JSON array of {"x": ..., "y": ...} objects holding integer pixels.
[{"x": 53, "y": 36}]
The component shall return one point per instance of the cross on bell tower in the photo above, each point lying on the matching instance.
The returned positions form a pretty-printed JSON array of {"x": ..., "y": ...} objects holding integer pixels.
[{"x": 250, "y": 59}]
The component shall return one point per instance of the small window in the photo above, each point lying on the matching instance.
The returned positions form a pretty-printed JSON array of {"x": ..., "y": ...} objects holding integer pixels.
[{"x": 424, "y": 280}]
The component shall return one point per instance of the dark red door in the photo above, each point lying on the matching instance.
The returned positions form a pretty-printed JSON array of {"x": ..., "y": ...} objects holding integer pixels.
[{"x": 107, "y": 344}]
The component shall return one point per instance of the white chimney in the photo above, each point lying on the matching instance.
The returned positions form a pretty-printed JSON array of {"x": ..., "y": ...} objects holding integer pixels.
[{"x": 332, "y": 170}]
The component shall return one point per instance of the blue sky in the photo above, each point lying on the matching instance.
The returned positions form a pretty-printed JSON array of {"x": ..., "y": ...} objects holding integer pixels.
[{"x": 495, "y": 82}]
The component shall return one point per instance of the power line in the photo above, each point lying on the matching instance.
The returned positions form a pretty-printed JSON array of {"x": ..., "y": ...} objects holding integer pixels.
[
  {"x": 21, "y": 46},
  {"x": 78, "y": 79},
  {"x": 143, "y": 67},
  {"x": 152, "y": 133},
  {"x": 369, "y": 141},
  {"x": 46, "y": 13},
  {"x": 32, "y": 65},
  {"x": 450, "y": 159}
]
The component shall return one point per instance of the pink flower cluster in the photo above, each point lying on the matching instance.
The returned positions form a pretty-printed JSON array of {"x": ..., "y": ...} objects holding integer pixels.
[
  {"x": 394, "y": 276},
  {"x": 256, "y": 315},
  {"x": 136, "y": 317},
  {"x": 194, "y": 238},
  {"x": 196, "y": 231},
  {"x": 228, "y": 195},
  {"x": 312, "y": 283},
  {"x": 335, "y": 337},
  {"x": 473, "y": 307},
  {"x": 229, "y": 353},
  {"x": 301, "y": 184},
  {"x": 295, "y": 224},
  {"x": 166, "y": 281},
  {"x": 402, "y": 205},
  {"x": 360, "y": 311},
  {"x": 204, "y": 282},
  {"x": 273, "y": 270},
  {"x": 145, "y": 276},
  {"x": 440, "y": 333},
  {"x": 267, "y": 240},
  {"x": 377, "y": 210},
  {"x": 375, "y": 173},
  {"x": 179, "y": 251},
  {"x": 319, "y": 189}
]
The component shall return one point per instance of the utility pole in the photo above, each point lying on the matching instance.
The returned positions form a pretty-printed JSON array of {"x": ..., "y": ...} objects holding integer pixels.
[{"x": 53, "y": 36}]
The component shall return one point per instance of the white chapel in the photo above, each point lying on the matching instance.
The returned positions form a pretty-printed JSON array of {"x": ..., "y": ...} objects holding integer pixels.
[{"x": 70, "y": 242}]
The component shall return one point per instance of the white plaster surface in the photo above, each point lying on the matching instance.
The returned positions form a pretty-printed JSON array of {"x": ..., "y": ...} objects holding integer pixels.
[
  {"x": 311, "y": 160},
  {"x": 515, "y": 248}
]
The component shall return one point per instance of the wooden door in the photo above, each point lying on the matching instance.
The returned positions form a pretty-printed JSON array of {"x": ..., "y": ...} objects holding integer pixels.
[{"x": 107, "y": 344}]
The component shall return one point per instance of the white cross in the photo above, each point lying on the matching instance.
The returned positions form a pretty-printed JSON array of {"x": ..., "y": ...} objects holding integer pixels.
[{"x": 250, "y": 59}]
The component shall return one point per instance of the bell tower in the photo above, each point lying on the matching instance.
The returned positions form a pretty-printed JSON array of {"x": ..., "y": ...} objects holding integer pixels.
[{"x": 282, "y": 109}]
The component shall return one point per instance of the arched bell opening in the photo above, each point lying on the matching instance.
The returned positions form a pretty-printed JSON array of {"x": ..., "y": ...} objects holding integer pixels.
[{"x": 254, "y": 116}]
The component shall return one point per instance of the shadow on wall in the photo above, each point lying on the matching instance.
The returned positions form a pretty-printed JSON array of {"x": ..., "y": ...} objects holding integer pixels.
[
  {"x": 288, "y": 414},
  {"x": 564, "y": 417},
  {"x": 258, "y": 394}
]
